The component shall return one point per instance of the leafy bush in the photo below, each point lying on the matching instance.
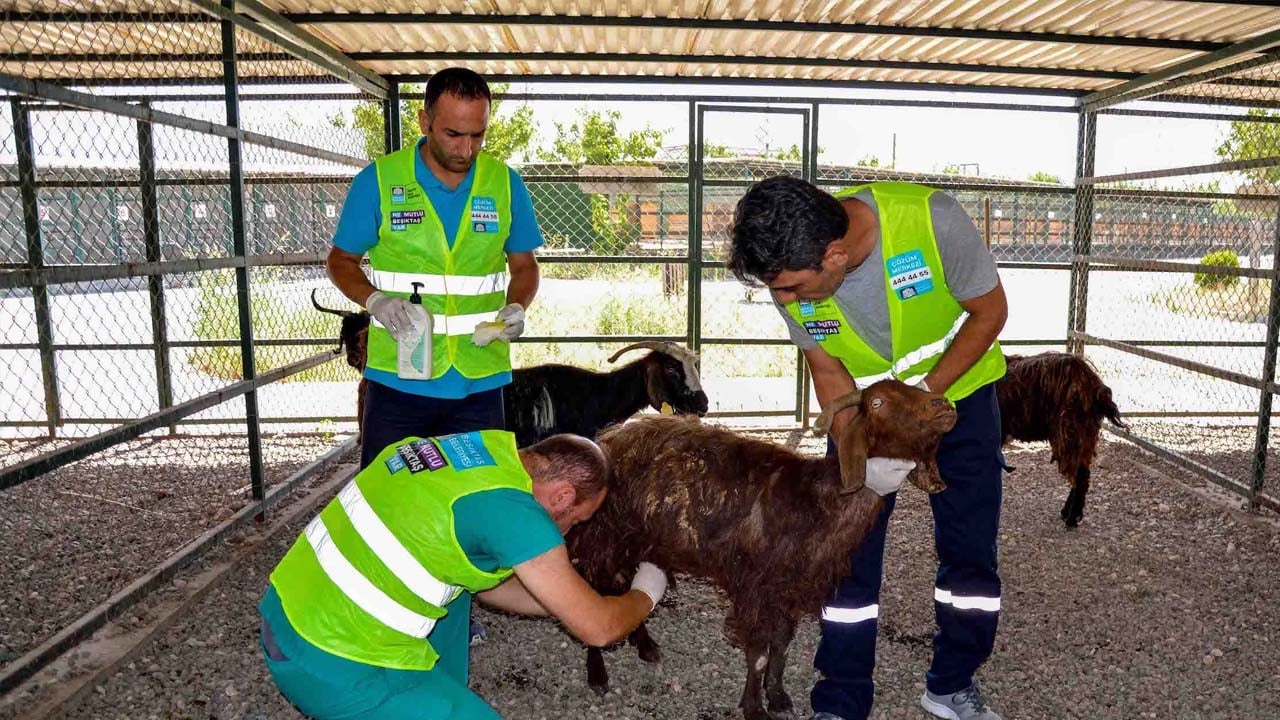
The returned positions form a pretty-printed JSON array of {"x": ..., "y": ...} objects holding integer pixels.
[{"x": 1218, "y": 258}]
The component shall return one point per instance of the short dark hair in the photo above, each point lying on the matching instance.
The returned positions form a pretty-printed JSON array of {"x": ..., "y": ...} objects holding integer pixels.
[
  {"x": 456, "y": 81},
  {"x": 575, "y": 459},
  {"x": 783, "y": 223}
]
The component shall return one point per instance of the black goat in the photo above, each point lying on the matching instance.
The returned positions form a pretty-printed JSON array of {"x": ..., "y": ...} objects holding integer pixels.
[{"x": 544, "y": 400}]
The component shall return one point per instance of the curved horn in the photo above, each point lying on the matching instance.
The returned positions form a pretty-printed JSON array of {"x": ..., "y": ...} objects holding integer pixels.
[
  {"x": 823, "y": 423},
  {"x": 659, "y": 345}
]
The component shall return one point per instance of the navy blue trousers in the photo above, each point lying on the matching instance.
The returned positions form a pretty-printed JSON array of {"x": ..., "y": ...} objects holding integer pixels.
[
  {"x": 966, "y": 519},
  {"x": 391, "y": 416}
]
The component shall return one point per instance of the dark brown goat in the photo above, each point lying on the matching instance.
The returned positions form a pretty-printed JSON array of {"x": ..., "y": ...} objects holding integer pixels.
[
  {"x": 1058, "y": 397},
  {"x": 770, "y": 527}
]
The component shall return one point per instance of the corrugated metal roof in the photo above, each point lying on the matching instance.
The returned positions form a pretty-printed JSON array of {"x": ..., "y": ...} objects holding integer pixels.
[{"x": 1062, "y": 45}]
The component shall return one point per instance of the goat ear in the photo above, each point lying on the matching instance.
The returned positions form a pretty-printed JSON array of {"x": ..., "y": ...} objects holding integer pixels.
[
  {"x": 653, "y": 386},
  {"x": 852, "y": 450}
]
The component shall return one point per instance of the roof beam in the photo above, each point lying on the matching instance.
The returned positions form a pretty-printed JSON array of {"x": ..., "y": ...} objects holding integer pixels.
[
  {"x": 642, "y": 22},
  {"x": 266, "y": 23},
  {"x": 738, "y": 60},
  {"x": 1205, "y": 68}
]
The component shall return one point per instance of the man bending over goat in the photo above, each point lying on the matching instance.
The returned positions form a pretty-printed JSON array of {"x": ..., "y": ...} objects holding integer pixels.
[
  {"x": 892, "y": 280},
  {"x": 366, "y": 616}
]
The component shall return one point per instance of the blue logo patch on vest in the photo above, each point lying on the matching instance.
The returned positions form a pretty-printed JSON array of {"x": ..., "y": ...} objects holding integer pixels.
[
  {"x": 397, "y": 194},
  {"x": 400, "y": 219},
  {"x": 395, "y": 463},
  {"x": 466, "y": 451},
  {"x": 820, "y": 329},
  {"x": 909, "y": 276},
  {"x": 484, "y": 214},
  {"x": 806, "y": 308}
]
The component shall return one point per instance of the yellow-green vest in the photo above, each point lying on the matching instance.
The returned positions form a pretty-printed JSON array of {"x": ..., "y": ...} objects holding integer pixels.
[
  {"x": 373, "y": 572},
  {"x": 923, "y": 315},
  {"x": 461, "y": 286}
]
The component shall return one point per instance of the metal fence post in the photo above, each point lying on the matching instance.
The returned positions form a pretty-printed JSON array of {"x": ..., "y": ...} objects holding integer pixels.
[
  {"x": 1082, "y": 230},
  {"x": 391, "y": 117},
  {"x": 1268, "y": 373},
  {"x": 35, "y": 259},
  {"x": 695, "y": 228},
  {"x": 243, "y": 295},
  {"x": 155, "y": 283}
]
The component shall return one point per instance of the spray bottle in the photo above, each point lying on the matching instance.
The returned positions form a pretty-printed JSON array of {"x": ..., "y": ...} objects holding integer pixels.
[{"x": 413, "y": 348}]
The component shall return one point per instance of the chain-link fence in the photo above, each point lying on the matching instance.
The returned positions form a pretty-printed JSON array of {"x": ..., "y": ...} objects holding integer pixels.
[
  {"x": 164, "y": 213},
  {"x": 1174, "y": 278},
  {"x": 166, "y": 205}
]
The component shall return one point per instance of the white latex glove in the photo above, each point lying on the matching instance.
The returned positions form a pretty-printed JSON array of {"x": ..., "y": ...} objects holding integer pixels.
[
  {"x": 392, "y": 312},
  {"x": 650, "y": 580},
  {"x": 512, "y": 318},
  {"x": 886, "y": 475},
  {"x": 508, "y": 326}
]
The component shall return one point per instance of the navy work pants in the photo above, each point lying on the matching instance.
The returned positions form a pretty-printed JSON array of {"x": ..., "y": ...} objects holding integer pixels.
[
  {"x": 966, "y": 519},
  {"x": 391, "y": 416}
]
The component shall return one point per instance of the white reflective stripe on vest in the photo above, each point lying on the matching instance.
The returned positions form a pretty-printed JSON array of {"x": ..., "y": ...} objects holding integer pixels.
[
  {"x": 440, "y": 284},
  {"x": 917, "y": 356},
  {"x": 389, "y": 550},
  {"x": 359, "y": 590},
  {"x": 453, "y": 324},
  {"x": 850, "y": 615},
  {"x": 967, "y": 602}
]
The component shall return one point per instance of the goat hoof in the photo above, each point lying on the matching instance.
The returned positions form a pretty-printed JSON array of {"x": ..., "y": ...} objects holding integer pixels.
[
  {"x": 780, "y": 706},
  {"x": 649, "y": 654}
]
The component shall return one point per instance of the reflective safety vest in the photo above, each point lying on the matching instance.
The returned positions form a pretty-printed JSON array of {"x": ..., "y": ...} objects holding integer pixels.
[
  {"x": 462, "y": 285},
  {"x": 923, "y": 315},
  {"x": 373, "y": 572}
]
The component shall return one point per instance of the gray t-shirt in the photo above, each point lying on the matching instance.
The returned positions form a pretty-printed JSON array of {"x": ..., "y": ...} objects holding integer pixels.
[{"x": 968, "y": 265}]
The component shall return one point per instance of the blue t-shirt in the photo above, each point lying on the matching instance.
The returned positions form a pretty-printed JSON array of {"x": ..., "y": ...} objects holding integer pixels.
[{"x": 357, "y": 233}]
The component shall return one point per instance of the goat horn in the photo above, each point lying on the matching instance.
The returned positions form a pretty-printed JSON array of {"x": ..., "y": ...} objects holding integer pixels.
[
  {"x": 823, "y": 423},
  {"x": 659, "y": 345}
]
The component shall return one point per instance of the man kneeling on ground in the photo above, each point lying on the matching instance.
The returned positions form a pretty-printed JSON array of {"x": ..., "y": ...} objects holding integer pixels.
[{"x": 367, "y": 615}]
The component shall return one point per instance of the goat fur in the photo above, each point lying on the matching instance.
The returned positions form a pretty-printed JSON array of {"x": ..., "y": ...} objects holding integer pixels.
[
  {"x": 1058, "y": 397},
  {"x": 771, "y": 528}
]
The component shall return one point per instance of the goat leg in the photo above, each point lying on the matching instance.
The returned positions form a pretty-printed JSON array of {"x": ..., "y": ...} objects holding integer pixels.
[
  {"x": 597, "y": 673},
  {"x": 1073, "y": 510},
  {"x": 645, "y": 645},
  {"x": 752, "y": 703},
  {"x": 774, "y": 685}
]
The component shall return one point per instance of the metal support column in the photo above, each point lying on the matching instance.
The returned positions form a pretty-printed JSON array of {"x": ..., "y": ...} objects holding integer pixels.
[
  {"x": 35, "y": 260},
  {"x": 1268, "y": 374},
  {"x": 391, "y": 117},
  {"x": 695, "y": 227},
  {"x": 239, "y": 245},
  {"x": 1082, "y": 230},
  {"x": 155, "y": 283}
]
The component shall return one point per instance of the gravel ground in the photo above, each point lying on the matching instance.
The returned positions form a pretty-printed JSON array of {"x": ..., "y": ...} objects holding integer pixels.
[
  {"x": 1160, "y": 605},
  {"x": 70, "y": 539}
]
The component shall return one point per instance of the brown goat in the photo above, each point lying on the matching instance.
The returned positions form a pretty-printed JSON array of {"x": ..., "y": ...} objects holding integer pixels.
[
  {"x": 773, "y": 529},
  {"x": 1058, "y": 397}
]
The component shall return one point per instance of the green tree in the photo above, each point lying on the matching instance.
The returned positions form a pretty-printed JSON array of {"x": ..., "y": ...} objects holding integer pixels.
[
  {"x": 1253, "y": 138},
  {"x": 509, "y": 136},
  {"x": 1044, "y": 177},
  {"x": 716, "y": 152},
  {"x": 869, "y": 161},
  {"x": 593, "y": 138}
]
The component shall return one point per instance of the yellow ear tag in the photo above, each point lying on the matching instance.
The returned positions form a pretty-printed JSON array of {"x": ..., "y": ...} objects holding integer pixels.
[{"x": 667, "y": 409}]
